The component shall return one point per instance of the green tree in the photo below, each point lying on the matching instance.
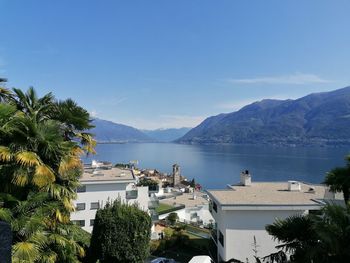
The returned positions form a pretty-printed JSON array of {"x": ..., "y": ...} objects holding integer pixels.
[
  {"x": 339, "y": 180},
  {"x": 152, "y": 184},
  {"x": 121, "y": 233},
  {"x": 172, "y": 218},
  {"x": 39, "y": 173},
  {"x": 315, "y": 238},
  {"x": 193, "y": 183}
]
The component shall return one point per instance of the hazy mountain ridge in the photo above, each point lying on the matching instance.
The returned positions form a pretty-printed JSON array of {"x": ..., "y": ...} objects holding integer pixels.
[
  {"x": 319, "y": 118},
  {"x": 110, "y": 132},
  {"x": 166, "y": 135}
]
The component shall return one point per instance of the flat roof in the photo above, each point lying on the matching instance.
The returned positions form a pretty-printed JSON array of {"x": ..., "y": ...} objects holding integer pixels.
[
  {"x": 187, "y": 199},
  {"x": 115, "y": 174},
  {"x": 269, "y": 193}
]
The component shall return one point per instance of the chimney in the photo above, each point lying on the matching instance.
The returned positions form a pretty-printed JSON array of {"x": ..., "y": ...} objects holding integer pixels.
[
  {"x": 294, "y": 186},
  {"x": 246, "y": 179}
]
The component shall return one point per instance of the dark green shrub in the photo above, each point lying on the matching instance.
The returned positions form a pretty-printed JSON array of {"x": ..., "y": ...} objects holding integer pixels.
[{"x": 121, "y": 234}]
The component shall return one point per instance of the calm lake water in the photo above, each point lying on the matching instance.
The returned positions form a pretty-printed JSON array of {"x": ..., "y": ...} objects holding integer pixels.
[{"x": 215, "y": 166}]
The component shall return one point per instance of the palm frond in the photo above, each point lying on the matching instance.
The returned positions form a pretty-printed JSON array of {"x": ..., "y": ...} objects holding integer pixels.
[
  {"x": 43, "y": 175},
  {"x": 5, "y": 154},
  {"x": 5, "y": 215},
  {"x": 88, "y": 142},
  {"x": 20, "y": 177},
  {"x": 68, "y": 204},
  {"x": 68, "y": 163},
  {"x": 25, "y": 252},
  {"x": 28, "y": 158}
]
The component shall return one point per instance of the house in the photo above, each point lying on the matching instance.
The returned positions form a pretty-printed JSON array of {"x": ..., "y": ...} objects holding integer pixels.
[
  {"x": 100, "y": 183},
  {"x": 242, "y": 211},
  {"x": 191, "y": 208}
]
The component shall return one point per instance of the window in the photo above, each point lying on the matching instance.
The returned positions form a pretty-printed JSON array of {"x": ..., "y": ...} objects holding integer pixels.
[
  {"x": 221, "y": 238},
  {"x": 79, "y": 222},
  {"x": 92, "y": 221},
  {"x": 94, "y": 205},
  {"x": 80, "y": 206},
  {"x": 215, "y": 207},
  {"x": 81, "y": 189}
]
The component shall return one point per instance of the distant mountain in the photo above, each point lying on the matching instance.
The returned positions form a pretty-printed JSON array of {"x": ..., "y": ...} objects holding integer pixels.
[
  {"x": 319, "y": 118},
  {"x": 107, "y": 131},
  {"x": 166, "y": 135}
]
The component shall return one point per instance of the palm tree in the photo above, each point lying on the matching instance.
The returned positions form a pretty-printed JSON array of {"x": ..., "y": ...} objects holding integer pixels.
[
  {"x": 39, "y": 173},
  {"x": 320, "y": 238},
  {"x": 339, "y": 180}
]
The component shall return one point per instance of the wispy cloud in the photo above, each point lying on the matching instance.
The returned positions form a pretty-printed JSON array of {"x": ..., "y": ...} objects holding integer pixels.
[
  {"x": 296, "y": 79},
  {"x": 93, "y": 113}
]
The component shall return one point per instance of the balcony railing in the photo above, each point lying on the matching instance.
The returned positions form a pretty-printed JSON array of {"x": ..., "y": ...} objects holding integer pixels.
[{"x": 131, "y": 194}]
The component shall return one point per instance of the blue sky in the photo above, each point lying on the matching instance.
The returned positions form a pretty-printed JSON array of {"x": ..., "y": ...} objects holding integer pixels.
[{"x": 159, "y": 63}]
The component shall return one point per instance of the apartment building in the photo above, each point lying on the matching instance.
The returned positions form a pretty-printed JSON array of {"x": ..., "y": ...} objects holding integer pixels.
[
  {"x": 242, "y": 211},
  {"x": 100, "y": 183}
]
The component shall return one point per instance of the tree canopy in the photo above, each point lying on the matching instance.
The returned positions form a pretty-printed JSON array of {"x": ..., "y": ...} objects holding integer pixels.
[
  {"x": 315, "y": 238},
  {"x": 152, "y": 184},
  {"x": 121, "y": 233},
  {"x": 323, "y": 237},
  {"x": 339, "y": 180},
  {"x": 41, "y": 141}
]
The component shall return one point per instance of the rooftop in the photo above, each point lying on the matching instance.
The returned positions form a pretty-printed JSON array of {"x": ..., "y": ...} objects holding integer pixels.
[
  {"x": 269, "y": 193},
  {"x": 100, "y": 174},
  {"x": 187, "y": 199}
]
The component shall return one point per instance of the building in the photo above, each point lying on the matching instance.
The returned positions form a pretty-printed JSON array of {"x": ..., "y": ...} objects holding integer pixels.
[
  {"x": 192, "y": 208},
  {"x": 101, "y": 183},
  {"x": 242, "y": 211},
  {"x": 176, "y": 174}
]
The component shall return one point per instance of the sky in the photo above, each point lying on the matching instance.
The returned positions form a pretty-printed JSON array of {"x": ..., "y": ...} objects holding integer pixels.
[{"x": 162, "y": 63}]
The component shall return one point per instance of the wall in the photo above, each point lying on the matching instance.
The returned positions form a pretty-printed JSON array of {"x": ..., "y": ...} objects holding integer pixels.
[
  {"x": 185, "y": 214},
  {"x": 240, "y": 228},
  {"x": 103, "y": 192},
  {"x": 142, "y": 198}
]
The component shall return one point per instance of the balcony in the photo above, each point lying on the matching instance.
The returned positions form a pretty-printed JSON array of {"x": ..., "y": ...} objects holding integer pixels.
[{"x": 131, "y": 194}]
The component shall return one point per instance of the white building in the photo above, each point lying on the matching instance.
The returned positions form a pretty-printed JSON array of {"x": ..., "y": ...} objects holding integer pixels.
[
  {"x": 242, "y": 212},
  {"x": 194, "y": 208},
  {"x": 102, "y": 182}
]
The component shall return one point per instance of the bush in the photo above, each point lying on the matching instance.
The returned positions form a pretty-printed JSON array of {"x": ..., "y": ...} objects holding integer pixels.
[
  {"x": 172, "y": 218},
  {"x": 152, "y": 185},
  {"x": 121, "y": 233}
]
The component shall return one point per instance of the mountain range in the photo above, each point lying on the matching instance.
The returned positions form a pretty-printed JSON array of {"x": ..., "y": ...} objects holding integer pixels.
[
  {"x": 111, "y": 132},
  {"x": 166, "y": 135},
  {"x": 318, "y": 118}
]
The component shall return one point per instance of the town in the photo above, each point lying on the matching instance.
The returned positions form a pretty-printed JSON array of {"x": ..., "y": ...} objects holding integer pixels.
[{"x": 233, "y": 218}]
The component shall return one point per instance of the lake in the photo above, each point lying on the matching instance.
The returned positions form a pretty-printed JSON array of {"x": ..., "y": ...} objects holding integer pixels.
[{"x": 215, "y": 166}]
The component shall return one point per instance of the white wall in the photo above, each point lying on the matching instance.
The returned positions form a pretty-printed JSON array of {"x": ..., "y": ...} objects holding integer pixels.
[
  {"x": 142, "y": 198},
  {"x": 185, "y": 214},
  {"x": 103, "y": 192},
  {"x": 239, "y": 229}
]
